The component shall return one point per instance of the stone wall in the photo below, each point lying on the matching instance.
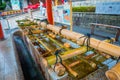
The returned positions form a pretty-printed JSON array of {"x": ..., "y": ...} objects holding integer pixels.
[{"x": 82, "y": 19}]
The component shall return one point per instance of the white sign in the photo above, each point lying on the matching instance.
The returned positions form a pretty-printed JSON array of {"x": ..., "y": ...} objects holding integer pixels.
[
  {"x": 108, "y": 8},
  {"x": 62, "y": 14},
  {"x": 15, "y": 4},
  {"x": 84, "y": 3}
]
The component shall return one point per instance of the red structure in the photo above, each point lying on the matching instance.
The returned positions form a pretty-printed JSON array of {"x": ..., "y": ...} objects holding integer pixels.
[
  {"x": 49, "y": 11},
  {"x": 1, "y": 32},
  {"x": 32, "y": 6}
]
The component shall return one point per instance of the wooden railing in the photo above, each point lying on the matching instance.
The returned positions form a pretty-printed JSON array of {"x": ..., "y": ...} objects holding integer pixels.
[{"x": 93, "y": 25}]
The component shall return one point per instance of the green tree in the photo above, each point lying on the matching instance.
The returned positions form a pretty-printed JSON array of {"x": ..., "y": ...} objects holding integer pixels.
[
  {"x": 7, "y": 0},
  {"x": 0, "y": 2},
  {"x": 2, "y": 5}
]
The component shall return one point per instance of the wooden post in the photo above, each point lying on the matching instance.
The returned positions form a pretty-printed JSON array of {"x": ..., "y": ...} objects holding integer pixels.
[
  {"x": 92, "y": 29},
  {"x": 1, "y": 32},
  {"x": 71, "y": 22},
  {"x": 49, "y": 11},
  {"x": 56, "y": 2},
  {"x": 117, "y": 35},
  {"x": 30, "y": 13}
]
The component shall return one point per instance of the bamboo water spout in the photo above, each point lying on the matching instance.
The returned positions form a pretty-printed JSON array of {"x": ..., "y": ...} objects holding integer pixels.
[
  {"x": 94, "y": 43},
  {"x": 67, "y": 54},
  {"x": 53, "y": 38}
]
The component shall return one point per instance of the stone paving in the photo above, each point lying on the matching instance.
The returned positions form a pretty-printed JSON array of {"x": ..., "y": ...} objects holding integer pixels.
[{"x": 9, "y": 65}]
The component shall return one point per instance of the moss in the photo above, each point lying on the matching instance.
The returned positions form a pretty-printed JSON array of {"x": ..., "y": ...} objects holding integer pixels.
[
  {"x": 84, "y": 9},
  {"x": 23, "y": 25},
  {"x": 98, "y": 60},
  {"x": 24, "y": 20},
  {"x": 83, "y": 68},
  {"x": 32, "y": 23}
]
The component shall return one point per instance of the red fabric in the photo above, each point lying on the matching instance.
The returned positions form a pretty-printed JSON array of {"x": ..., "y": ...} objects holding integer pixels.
[
  {"x": 1, "y": 32},
  {"x": 33, "y": 6},
  {"x": 62, "y": 1},
  {"x": 38, "y": 4},
  {"x": 44, "y": 5},
  {"x": 30, "y": 6}
]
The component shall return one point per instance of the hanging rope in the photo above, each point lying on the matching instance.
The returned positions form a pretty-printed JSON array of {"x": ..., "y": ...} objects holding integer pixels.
[
  {"x": 118, "y": 59},
  {"x": 58, "y": 57},
  {"x": 62, "y": 27},
  {"x": 86, "y": 39}
]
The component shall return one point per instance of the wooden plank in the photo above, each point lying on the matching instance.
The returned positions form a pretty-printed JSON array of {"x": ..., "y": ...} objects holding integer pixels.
[
  {"x": 117, "y": 35},
  {"x": 92, "y": 29},
  {"x": 104, "y": 25}
]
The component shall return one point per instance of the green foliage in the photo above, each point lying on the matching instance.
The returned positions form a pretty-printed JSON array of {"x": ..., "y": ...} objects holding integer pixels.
[
  {"x": 23, "y": 25},
  {"x": 2, "y": 6},
  {"x": 84, "y": 9},
  {"x": 25, "y": 22},
  {"x": 7, "y": 0}
]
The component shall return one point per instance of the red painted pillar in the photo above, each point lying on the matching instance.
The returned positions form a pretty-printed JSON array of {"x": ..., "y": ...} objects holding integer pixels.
[
  {"x": 1, "y": 32},
  {"x": 49, "y": 11}
]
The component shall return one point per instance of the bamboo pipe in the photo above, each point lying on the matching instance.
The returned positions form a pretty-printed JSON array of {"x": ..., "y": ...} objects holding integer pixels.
[
  {"x": 67, "y": 54},
  {"x": 75, "y": 74},
  {"x": 43, "y": 24},
  {"x": 42, "y": 44},
  {"x": 64, "y": 32},
  {"x": 57, "y": 43},
  {"x": 73, "y": 36},
  {"x": 53, "y": 29},
  {"x": 114, "y": 72},
  {"x": 74, "y": 63},
  {"x": 94, "y": 43},
  {"x": 109, "y": 48}
]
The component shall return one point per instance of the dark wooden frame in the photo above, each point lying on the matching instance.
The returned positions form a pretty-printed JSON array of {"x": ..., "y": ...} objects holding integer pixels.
[{"x": 93, "y": 25}]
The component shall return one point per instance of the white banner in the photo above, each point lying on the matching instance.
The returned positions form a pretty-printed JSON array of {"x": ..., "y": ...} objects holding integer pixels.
[
  {"x": 61, "y": 14},
  {"x": 15, "y": 4},
  {"x": 108, "y": 8}
]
